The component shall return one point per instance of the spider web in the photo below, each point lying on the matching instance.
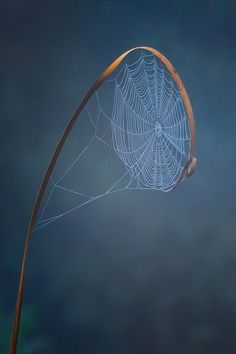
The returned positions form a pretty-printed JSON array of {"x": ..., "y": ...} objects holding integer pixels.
[{"x": 133, "y": 134}]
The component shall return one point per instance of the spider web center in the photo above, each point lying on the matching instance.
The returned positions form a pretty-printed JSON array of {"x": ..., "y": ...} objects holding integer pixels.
[{"x": 158, "y": 129}]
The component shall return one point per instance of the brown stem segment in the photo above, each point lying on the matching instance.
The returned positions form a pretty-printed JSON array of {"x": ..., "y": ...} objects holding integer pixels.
[{"x": 52, "y": 162}]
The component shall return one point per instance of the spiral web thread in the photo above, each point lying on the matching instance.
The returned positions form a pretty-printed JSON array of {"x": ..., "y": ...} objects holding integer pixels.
[{"x": 147, "y": 131}]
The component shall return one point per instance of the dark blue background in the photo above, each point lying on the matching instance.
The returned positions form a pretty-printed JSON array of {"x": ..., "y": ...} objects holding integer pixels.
[{"x": 143, "y": 272}]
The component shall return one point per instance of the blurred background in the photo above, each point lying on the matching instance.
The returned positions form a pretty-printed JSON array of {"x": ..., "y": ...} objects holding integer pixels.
[{"x": 137, "y": 272}]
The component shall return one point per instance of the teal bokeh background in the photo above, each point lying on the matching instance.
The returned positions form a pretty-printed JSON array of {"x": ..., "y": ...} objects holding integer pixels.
[{"x": 141, "y": 272}]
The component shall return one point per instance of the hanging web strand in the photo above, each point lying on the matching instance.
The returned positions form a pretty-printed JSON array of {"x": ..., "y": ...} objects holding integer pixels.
[{"x": 145, "y": 131}]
